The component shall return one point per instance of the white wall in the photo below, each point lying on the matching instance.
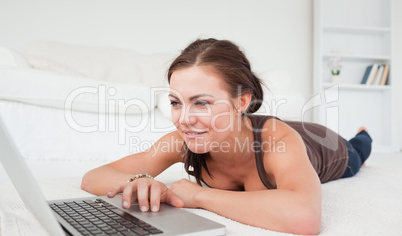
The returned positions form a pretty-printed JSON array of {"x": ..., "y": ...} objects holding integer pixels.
[{"x": 274, "y": 34}]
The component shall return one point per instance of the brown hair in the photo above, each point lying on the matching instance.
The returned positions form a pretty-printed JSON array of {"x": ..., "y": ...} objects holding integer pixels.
[{"x": 228, "y": 61}]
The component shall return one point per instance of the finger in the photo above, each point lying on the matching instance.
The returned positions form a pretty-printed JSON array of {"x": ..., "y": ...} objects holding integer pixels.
[
  {"x": 173, "y": 200},
  {"x": 155, "y": 197},
  {"x": 142, "y": 194},
  {"x": 126, "y": 197},
  {"x": 134, "y": 198},
  {"x": 117, "y": 189}
]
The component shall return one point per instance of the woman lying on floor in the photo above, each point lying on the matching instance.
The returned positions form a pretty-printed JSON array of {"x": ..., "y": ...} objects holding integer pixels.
[{"x": 259, "y": 170}]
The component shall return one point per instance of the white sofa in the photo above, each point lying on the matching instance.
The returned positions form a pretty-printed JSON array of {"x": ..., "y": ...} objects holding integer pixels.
[
  {"x": 46, "y": 72},
  {"x": 80, "y": 88}
]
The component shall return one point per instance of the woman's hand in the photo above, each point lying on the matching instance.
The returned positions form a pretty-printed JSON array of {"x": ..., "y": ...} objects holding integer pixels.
[
  {"x": 187, "y": 191},
  {"x": 139, "y": 190}
]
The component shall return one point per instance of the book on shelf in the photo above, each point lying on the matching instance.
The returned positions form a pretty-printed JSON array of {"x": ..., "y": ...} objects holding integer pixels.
[
  {"x": 366, "y": 74},
  {"x": 373, "y": 72},
  {"x": 385, "y": 74},
  {"x": 376, "y": 74},
  {"x": 377, "y": 78}
]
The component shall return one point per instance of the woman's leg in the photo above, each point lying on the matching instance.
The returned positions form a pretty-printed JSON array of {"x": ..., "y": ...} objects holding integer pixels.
[{"x": 359, "y": 149}]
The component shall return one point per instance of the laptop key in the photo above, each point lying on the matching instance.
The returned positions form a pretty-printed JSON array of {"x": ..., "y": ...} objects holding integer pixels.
[
  {"x": 140, "y": 231},
  {"x": 131, "y": 226},
  {"x": 155, "y": 231},
  {"x": 148, "y": 228}
]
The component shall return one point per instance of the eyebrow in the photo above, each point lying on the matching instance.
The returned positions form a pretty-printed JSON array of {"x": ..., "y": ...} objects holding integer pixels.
[{"x": 193, "y": 97}]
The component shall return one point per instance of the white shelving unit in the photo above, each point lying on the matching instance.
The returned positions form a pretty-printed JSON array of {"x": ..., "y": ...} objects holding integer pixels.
[{"x": 359, "y": 32}]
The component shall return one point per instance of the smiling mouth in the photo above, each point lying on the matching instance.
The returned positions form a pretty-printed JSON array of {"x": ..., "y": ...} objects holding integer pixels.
[{"x": 194, "y": 134}]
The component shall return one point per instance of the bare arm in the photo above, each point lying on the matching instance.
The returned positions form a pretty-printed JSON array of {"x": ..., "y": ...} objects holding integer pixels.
[
  {"x": 279, "y": 210},
  {"x": 101, "y": 180},
  {"x": 294, "y": 207}
]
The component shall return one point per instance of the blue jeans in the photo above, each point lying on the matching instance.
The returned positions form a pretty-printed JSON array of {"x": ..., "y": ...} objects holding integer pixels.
[{"x": 359, "y": 149}]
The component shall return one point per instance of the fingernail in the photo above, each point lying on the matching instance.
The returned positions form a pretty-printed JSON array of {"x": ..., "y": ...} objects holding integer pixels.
[
  {"x": 154, "y": 208},
  {"x": 125, "y": 204},
  {"x": 143, "y": 208},
  {"x": 109, "y": 193}
]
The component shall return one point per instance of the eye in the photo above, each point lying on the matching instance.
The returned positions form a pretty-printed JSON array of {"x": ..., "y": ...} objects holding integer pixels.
[
  {"x": 201, "y": 103},
  {"x": 174, "y": 103}
]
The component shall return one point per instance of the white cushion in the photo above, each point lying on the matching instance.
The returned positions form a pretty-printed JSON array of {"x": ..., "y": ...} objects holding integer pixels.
[
  {"x": 278, "y": 99},
  {"x": 10, "y": 57},
  {"x": 107, "y": 64},
  {"x": 41, "y": 63},
  {"x": 163, "y": 103},
  {"x": 78, "y": 93},
  {"x": 276, "y": 79},
  {"x": 283, "y": 104},
  {"x": 102, "y": 63}
]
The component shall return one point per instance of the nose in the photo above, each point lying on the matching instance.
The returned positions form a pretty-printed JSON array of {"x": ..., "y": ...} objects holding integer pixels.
[{"x": 187, "y": 117}]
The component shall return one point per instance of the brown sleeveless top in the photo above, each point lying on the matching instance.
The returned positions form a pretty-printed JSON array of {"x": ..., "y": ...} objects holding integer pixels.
[{"x": 326, "y": 149}]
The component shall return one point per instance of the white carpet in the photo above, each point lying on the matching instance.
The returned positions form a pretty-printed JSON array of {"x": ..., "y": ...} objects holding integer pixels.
[{"x": 367, "y": 204}]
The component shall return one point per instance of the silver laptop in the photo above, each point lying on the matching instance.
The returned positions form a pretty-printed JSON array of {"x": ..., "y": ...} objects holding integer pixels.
[{"x": 96, "y": 215}]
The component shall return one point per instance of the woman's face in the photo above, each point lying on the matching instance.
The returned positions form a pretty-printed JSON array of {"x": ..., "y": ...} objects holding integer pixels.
[{"x": 202, "y": 109}]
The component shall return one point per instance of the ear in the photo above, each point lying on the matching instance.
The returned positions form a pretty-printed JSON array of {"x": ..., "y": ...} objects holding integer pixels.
[{"x": 242, "y": 103}]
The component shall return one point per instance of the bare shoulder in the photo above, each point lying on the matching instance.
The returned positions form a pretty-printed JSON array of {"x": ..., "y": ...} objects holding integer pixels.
[
  {"x": 277, "y": 130},
  {"x": 285, "y": 155},
  {"x": 280, "y": 140}
]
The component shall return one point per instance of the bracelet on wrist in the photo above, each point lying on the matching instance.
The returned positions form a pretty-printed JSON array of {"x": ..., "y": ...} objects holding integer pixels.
[{"x": 139, "y": 176}]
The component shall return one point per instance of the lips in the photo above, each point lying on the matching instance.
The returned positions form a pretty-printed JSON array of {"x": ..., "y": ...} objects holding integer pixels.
[{"x": 193, "y": 134}]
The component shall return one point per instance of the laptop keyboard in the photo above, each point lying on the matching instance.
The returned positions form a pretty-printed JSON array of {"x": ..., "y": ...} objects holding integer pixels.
[{"x": 101, "y": 218}]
